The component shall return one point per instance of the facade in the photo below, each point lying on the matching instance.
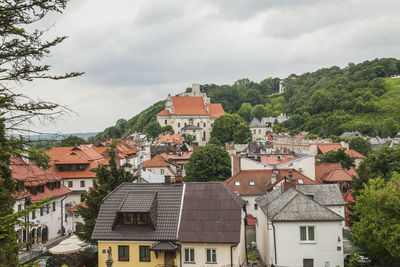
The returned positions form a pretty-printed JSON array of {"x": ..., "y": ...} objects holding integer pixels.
[
  {"x": 191, "y": 113},
  {"x": 295, "y": 230},
  {"x": 258, "y": 130},
  {"x": 171, "y": 225},
  {"x": 33, "y": 185},
  {"x": 159, "y": 165},
  {"x": 74, "y": 165}
]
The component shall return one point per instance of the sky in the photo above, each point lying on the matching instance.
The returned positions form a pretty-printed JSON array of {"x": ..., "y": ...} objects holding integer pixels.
[{"x": 135, "y": 52}]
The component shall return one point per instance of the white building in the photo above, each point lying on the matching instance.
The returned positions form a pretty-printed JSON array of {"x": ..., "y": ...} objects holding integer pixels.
[
  {"x": 33, "y": 185},
  {"x": 258, "y": 130},
  {"x": 191, "y": 113},
  {"x": 295, "y": 230}
]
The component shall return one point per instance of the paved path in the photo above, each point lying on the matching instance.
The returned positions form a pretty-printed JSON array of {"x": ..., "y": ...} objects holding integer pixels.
[{"x": 27, "y": 256}]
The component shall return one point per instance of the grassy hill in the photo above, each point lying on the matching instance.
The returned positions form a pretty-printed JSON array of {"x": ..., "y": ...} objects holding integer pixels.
[{"x": 326, "y": 102}]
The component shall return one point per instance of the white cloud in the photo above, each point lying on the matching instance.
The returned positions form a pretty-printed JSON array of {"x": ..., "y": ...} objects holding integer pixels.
[{"x": 135, "y": 52}]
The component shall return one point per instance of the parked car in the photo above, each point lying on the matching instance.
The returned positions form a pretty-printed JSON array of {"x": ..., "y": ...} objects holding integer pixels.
[{"x": 46, "y": 261}]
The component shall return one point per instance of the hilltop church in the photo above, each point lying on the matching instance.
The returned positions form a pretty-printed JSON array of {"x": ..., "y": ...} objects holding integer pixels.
[{"x": 191, "y": 113}]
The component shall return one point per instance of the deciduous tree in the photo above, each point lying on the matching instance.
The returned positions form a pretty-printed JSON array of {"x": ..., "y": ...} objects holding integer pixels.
[
  {"x": 377, "y": 230},
  {"x": 225, "y": 126},
  {"x": 338, "y": 156},
  {"x": 208, "y": 163},
  {"x": 242, "y": 134},
  {"x": 360, "y": 145}
]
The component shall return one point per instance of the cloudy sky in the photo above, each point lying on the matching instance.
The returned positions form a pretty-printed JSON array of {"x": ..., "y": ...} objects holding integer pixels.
[{"x": 135, "y": 52}]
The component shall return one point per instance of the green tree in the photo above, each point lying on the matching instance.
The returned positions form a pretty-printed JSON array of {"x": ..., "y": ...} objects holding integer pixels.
[
  {"x": 71, "y": 141},
  {"x": 107, "y": 179},
  {"x": 225, "y": 126},
  {"x": 167, "y": 128},
  {"x": 22, "y": 48},
  {"x": 245, "y": 111},
  {"x": 242, "y": 134},
  {"x": 208, "y": 163},
  {"x": 259, "y": 111},
  {"x": 360, "y": 145},
  {"x": 378, "y": 229},
  {"x": 153, "y": 129},
  {"x": 381, "y": 162},
  {"x": 215, "y": 141},
  {"x": 188, "y": 137},
  {"x": 338, "y": 156}
]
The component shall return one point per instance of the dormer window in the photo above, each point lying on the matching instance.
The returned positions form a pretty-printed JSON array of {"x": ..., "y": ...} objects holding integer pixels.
[
  {"x": 237, "y": 183},
  {"x": 310, "y": 196},
  {"x": 134, "y": 219},
  {"x": 252, "y": 183}
]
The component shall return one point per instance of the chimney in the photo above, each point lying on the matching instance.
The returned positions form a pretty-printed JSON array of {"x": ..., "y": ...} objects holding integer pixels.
[
  {"x": 178, "y": 177},
  {"x": 273, "y": 178},
  {"x": 167, "y": 179}
]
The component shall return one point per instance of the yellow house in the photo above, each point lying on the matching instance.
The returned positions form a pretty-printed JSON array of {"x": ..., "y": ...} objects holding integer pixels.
[{"x": 170, "y": 224}]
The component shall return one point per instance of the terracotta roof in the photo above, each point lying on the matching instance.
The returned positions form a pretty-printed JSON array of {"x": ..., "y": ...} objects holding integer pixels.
[
  {"x": 354, "y": 154},
  {"x": 269, "y": 137},
  {"x": 251, "y": 221},
  {"x": 260, "y": 178},
  {"x": 82, "y": 154},
  {"x": 170, "y": 138},
  {"x": 156, "y": 161},
  {"x": 184, "y": 105},
  {"x": 215, "y": 110},
  {"x": 32, "y": 176},
  {"x": 347, "y": 197},
  {"x": 163, "y": 113},
  {"x": 329, "y": 147},
  {"x": 277, "y": 159},
  {"x": 71, "y": 158},
  {"x": 75, "y": 208},
  {"x": 322, "y": 169},
  {"x": 337, "y": 175},
  {"x": 189, "y": 105}
]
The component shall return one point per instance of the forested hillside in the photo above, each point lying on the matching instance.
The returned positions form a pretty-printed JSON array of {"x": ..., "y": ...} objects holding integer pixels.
[{"x": 326, "y": 102}]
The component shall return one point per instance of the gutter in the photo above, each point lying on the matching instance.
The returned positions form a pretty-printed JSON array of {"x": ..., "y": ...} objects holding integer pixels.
[
  {"x": 273, "y": 227},
  {"x": 232, "y": 254}
]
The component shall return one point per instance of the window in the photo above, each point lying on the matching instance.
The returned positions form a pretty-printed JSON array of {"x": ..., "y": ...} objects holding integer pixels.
[
  {"x": 123, "y": 253},
  {"x": 47, "y": 208},
  {"x": 19, "y": 207},
  {"x": 308, "y": 262},
  {"x": 179, "y": 124},
  {"x": 144, "y": 253},
  {"x": 127, "y": 218},
  {"x": 251, "y": 183},
  {"x": 41, "y": 211},
  {"x": 141, "y": 219},
  {"x": 310, "y": 196},
  {"x": 204, "y": 124},
  {"x": 166, "y": 122},
  {"x": 254, "y": 131},
  {"x": 82, "y": 183},
  {"x": 255, "y": 206},
  {"x": 54, "y": 206},
  {"x": 162, "y": 171},
  {"x": 198, "y": 124},
  {"x": 237, "y": 183},
  {"x": 211, "y": 255},
  {"x": 189, "y": 255},
  {"x": 259, "y": 131},
  {"x": 307, "y": 233},
  {"x": 70, "y": 184},
  {"x": 33, "y": 215}
]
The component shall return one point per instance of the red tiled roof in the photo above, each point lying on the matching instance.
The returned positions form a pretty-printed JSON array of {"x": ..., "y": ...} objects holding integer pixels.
[
  {"x": 189, "y": 105},
  {"x": 354, "y": 154},
  {"x": 215, "y": 110},
  {"x": 32, "y": 175},
  {"x": 163, "y": 113},
  {"x": 329, "y": 147},
  {"x": 156, "y": 161},
  {"x": 274, "y": 160},
  {"x": 348, "y": 197},
  {"x": 260, "y": 178},
  {"x": 337, "y": 175},
  {"x": 75, "y": 208},
  {"x": 269, "y": 137},
  {"x": 71, "y": 158},
  {"x": 322, "y": 169},
  {"x": 170, "y": 138}
]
